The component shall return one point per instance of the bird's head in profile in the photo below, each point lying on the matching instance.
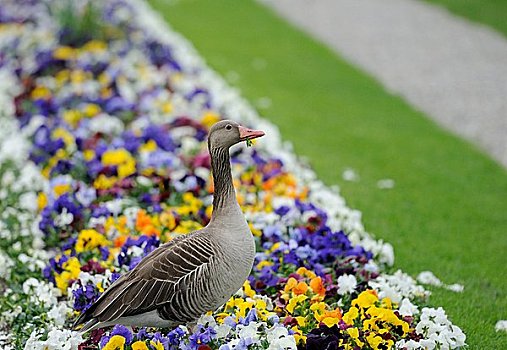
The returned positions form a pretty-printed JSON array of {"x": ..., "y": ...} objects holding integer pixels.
[{"x": 227, "y": 133}]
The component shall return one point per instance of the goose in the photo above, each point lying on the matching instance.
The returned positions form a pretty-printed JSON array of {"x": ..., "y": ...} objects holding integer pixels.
[{"x": 192, "y": 274}]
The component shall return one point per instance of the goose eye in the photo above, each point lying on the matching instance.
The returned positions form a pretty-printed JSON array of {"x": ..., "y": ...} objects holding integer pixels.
[{"x": 228, "y": 127}]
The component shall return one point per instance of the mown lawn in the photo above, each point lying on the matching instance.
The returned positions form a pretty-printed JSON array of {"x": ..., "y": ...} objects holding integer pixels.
[
  {"x": 489, "y": 12},
  {"x": 447, "y": 211}
]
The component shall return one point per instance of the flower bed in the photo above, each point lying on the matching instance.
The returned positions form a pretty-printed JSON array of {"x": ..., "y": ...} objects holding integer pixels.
[{"x": 103, "y": 123}]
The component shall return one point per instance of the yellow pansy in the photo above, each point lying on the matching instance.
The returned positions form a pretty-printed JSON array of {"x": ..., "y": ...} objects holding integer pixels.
[
  {"x": 232, "y": 302},
  {"x": 387, "y": 303},
  {"x": 365, "y": 299},
  {"x": 350, "y": 316},
  {"x": 139, "y": 345},
  {"x": 42, "y": 200},
  {"x": 331, "y": 321},
  {"x": 78, "y": 76},
  {"x": 301, "y": 321},
  {"x": 298, "y": 335},
  {"x": 91, "y": 110},
  {"x": 62, "y": 76},
  {"x": 64, "y": 53},
  {"x": 255, "y": 232},
  {"x": 247, "y": 289},
  {"x": 117, "y": 342},
  {"x": 104, "y": 183},
  {"x": 90, "y": 239},
  {"x": 41, "y": 92},
  {"x": 294, "y": 301},
  {"x": 149, "y": 146},
  {"x": 209, "y": 118},
  {"x": 291, "y": 284},
  {"x": 243, "y": 308},
  {"x": 88, "y": 154},
  {"x": 168, "y": 220},
  {"x": 303, "y": 271},
  {"x": 72, "y": 116},
  {"x": 354, "y": 334},
  {"x": 264, "y": 263},
  {"x": 66, "y": 136},
  {"x": 60, "y": 189},
  {"x": 122, "y": 159},
  {"x": 376, "y": 342},
  {"x": 166, "y": 107},
  {"x": 94, "y": 46},
  {"x": 71, "y": 270},
  {"x": 157, "y": 345},
  {"x": 318, "y": 309}
]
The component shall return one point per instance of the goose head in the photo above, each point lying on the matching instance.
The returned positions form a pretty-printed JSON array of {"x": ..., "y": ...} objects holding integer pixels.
[{"x": 227, "y": 133}]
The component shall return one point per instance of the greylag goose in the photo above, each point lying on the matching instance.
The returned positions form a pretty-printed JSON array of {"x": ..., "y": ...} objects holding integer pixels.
[{"x": 191, "y": 274}]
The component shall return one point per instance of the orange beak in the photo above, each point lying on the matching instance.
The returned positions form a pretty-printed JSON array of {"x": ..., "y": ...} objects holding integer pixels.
[{"x": 249, "y": 134}]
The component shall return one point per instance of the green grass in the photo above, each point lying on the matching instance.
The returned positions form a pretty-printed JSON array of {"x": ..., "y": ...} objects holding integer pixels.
[
  {"x": 489, "y": 12},
  {"x": 447, "y": 212}
]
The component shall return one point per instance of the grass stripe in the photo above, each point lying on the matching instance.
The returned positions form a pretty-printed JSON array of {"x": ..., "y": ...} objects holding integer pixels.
[{"x": 492, "y": 13}]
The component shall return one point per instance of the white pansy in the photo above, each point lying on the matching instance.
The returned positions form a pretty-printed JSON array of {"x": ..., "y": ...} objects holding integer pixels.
[
  {"x": 457, "y": 288},
  {"x": 64, "y": 218},
  {"x": 406, "y": 308},
  {"x": 397, "y": 286},
  {"x": 346, "y": 284},
  {"x": 279, "y": 339},
  {"x": 58, "y": 313},
  {"x": 427, "y": 277},
  {"x": 223, "y": 331},
  {"x": 207, "y": 320},
  {"x": 106, "y": 124},
  {"x": 350, "y": 174},
  {"x": 501, "y": 326},
  {"x": 249, "y": 332}
]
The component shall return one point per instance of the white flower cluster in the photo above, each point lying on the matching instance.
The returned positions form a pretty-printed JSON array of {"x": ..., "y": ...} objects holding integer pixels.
[
  {"x": 437, "y": 330},
  {"x": 254, "y": 333},
  {"x": 56, "y": 340},
  {"x": 398, "y": 286},
  {"x": 427, "y": 277},
  {"x": 19, "y": 184}
]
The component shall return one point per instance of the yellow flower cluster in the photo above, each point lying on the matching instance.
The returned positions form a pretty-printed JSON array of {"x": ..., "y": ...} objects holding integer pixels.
[
  {"x": 305, "y": 303},
  {"x": 375, "y": 318}
]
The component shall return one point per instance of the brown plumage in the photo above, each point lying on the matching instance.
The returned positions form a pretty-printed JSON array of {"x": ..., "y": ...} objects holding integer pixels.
[{"x": 192, "y": 274}]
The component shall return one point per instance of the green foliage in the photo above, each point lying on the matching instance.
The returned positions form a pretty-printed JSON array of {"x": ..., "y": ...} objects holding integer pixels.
[
  {"x": 82, "y": 22},
  {"x": 446, "y": 212}
]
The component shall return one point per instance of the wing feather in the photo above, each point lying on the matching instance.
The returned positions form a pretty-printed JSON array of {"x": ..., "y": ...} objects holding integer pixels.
[{"x": 164, "y": 275}]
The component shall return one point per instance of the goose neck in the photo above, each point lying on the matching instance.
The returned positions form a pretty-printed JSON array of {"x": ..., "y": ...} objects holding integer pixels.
[{"x": 224, "y": 194}]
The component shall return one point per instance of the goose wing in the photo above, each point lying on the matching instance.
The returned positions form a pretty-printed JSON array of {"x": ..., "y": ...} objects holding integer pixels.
[{"x": 167, "y": 271}]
